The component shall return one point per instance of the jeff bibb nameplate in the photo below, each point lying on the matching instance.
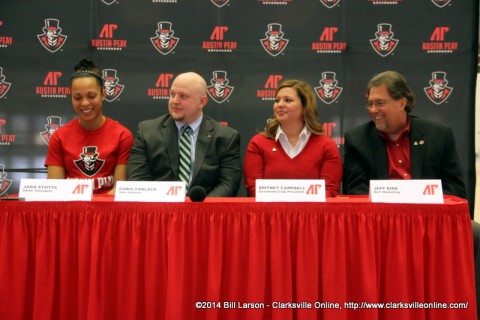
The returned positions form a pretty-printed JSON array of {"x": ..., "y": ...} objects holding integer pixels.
[{"x": 406, "y": 191}]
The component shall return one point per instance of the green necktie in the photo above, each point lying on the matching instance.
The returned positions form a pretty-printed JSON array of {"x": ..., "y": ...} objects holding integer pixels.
[{"x": 185, "y": 156}]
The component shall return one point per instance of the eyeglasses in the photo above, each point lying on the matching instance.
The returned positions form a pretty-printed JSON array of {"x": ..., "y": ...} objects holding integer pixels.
[{"x": 378, "y": 104}]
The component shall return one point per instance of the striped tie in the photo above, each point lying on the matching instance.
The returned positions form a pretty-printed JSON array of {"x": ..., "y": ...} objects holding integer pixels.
[{"x": 185, "y": 156}]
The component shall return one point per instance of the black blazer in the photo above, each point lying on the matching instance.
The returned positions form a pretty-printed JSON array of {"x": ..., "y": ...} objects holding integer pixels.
[
  {"x": 218, "y": 166},
  {"x": 433, "y": 155}
]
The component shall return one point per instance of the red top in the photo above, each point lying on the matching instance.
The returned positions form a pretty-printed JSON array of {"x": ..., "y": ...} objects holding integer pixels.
[
  {"x": 320, "y": 159},
  {"x": 398, "y": 155},
  {"x": 90, "y": 154}
]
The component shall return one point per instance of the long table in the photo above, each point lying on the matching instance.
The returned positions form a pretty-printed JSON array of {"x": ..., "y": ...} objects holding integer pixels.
[{"x": 236, "y": 259}]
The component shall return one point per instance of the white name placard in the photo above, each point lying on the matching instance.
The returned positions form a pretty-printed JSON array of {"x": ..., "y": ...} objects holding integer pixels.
[
  {"x": 406, "y": 191},
  {"x": 56, "y": 189},
  {"x": 150, "y": 191},
  {"x": 289, "y": 190}
]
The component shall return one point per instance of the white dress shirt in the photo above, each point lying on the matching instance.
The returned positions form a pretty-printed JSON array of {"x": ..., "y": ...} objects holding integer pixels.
[{"x": 291, "y": 151}]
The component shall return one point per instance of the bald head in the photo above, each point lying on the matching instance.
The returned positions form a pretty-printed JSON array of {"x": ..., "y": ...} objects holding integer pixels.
[
  {"x": 192, "y": 80},
  {"x": 188, "y": 96}
]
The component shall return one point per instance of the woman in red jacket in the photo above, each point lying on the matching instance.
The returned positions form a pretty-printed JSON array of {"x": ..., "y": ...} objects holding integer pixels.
[{"x": 293, "y": 145}]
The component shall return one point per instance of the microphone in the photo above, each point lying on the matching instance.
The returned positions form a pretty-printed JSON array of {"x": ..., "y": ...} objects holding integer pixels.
[{"x": 197, "y": 194}]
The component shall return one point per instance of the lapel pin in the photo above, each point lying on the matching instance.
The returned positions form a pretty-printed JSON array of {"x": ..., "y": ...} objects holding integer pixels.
[
  {"x": 274, "y": 149},
  {"x": 422, "y": 142},
  {"x": 415, "y": 143}
]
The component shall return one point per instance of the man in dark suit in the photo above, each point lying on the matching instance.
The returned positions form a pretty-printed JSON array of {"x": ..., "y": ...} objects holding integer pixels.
[
  {"x": 432, "y": 156},
  {"x": 397, "y": 145},
  {"x": 215, "y": 162}
]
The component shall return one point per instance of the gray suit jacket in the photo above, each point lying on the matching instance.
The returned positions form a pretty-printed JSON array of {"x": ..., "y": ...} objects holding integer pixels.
[
  {"x": 433, "y": 155},
  {"x": 218, "y": 165}
]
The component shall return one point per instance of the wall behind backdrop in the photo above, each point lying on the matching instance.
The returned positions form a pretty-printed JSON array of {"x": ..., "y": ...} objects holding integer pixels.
[{"x": 243, "y": 48}]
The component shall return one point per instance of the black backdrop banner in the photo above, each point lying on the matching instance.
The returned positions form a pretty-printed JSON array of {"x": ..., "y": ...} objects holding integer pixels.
[{"x": 243, "y": 48}]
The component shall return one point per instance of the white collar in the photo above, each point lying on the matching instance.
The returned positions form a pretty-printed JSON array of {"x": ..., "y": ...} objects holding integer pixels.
[{"x": 305, "y": 132}]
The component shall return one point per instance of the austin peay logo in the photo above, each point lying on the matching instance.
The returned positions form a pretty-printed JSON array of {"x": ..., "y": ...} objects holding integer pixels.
[
  {"x": 327, "y": 44},
  {"x": 384, "y": 43},
  {"x": 52, "y": 38},
  {"x": 219, "y": 91},
  {"x": 220, "y": 3},
  {"x": 5, "y": 183},
  {"x": 330, "y": 3},
  {"x": 107, "y": 41},
  {"x": 274, "y": 43},
  {"x": 328, "y": 91},
  {"x": 53, "y": 124},
  {"x": 217, "y": 41},
  {"x": 314, "y": 189},
  {"x": 89, "y": 163},
  {"x": 4, "y": 86},
  {"x": 437, "y": 43},
  {"x": 327, "y": 128},
  {"x": 269, "y": 88},
  {"x": 113, "y": 88},
  {"x": 5, "y": 41},
  {"x": 438, "y": 91},
  {"x": 441, "y": 3},
  {"x": 51, "y": 88},
  {"x": 5, "y": 139},
  {"x": 162, "y": 85},
  {"x": 164, "y": 42}
]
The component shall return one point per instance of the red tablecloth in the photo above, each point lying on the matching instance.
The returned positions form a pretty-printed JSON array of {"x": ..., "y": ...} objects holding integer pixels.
[{"x": 236, "y": 259}]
